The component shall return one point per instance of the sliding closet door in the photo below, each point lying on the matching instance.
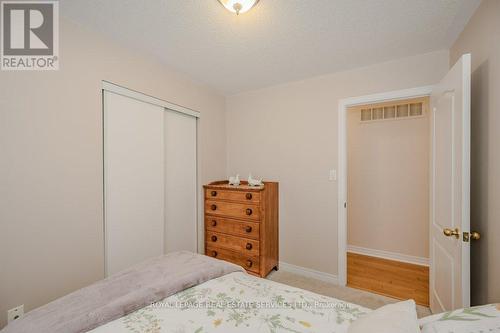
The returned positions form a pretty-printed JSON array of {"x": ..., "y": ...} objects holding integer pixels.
[
  {"x": 180, "y": 182},
  {"x": 133, "y": 181}
]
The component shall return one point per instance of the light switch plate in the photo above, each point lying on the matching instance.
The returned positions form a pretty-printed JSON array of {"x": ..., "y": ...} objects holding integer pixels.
[
  {"x": 333, "y": 175},
  {"x": 15, "y": 313}
]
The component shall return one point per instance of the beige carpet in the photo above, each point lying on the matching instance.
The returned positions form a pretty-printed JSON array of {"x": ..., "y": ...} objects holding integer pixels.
[{"x": 363, "y": 298}]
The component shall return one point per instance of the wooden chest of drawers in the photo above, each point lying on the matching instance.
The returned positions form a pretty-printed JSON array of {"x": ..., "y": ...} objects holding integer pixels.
[{"x": 241, "y": 225}]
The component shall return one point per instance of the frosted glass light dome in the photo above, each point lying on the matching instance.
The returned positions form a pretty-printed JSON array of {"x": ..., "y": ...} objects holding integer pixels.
[{"x": 238, "y": 6}]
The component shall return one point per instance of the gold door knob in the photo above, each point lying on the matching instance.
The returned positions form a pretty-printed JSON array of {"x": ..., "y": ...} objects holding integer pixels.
[
  {"x": 474, "y": 235},
  {"x": 451, "y": 232}
]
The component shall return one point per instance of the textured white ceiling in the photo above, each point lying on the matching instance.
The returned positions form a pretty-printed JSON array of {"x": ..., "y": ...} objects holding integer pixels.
[{"x": 278, "y": 40}]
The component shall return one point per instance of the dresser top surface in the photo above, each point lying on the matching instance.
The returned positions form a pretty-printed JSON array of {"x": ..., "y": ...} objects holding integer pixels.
[{"x": 224, "y": 185}]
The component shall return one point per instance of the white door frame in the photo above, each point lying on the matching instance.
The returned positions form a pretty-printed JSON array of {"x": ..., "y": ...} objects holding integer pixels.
[
  {"x": 120, "y": 90},
  {"x": 117, "y": 89},
  {"x": 344, "y": 104}
]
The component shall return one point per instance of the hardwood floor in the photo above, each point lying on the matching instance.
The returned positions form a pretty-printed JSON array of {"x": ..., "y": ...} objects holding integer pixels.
[
  {"x": 361, "y": 297},
  {"x": 387, "y": 277}
]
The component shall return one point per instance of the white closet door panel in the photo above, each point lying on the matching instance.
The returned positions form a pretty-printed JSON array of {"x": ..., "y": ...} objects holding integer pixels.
[
  {"x": 134, "y": 181},
  {"x": 181, "y": 182}
]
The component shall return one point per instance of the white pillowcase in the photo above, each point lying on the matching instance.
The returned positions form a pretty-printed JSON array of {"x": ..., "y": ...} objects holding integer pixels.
[{"x": 393, "y": 318}]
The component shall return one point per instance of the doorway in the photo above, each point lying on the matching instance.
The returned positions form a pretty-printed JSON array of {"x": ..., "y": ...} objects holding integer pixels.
[
  {"x": 388, "y": 154},
  {"x": 449, "y": 222}
]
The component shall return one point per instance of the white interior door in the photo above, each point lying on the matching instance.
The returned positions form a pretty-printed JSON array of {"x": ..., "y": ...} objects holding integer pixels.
[
  {"x": 133, "y": 181},
  {"x": 450, "y": 190},
  {"x": 180, "y": 182}
]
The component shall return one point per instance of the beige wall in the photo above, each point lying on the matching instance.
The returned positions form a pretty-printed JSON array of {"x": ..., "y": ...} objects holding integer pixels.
[
  {"x": 388, "y": 184},
  {"x": 51, "y": 226},
  {"x": 481, "y": 38},
  {"x": 288, "y": 133}
]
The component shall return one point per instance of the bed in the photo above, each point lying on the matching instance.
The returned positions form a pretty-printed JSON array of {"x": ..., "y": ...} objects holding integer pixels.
[
  {"x": 186, "y": 292},
  {"x": 239, "y": 302}
]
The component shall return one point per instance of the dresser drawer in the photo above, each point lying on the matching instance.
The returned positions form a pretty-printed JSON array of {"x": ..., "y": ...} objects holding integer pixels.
[
  {"x": 232, "y": 209},
  {"x": 233, "y": 227},
  {"x": 244, "y": 246},
  {"x": 247, "y": 262},
  {"x": 240, "y": 196}
]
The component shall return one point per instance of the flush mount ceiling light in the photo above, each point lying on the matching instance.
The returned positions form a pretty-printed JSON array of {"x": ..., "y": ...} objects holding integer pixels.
[{"x": 238, "y": 6}]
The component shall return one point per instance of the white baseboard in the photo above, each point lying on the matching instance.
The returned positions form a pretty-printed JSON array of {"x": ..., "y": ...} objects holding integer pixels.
[
  {"x": 326, "y": 277},
  {"x": 388, "y": 255}
]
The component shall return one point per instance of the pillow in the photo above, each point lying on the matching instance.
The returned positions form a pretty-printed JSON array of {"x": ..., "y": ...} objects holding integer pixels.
[
  {"x": 478, "y": 319},
  {"x": 393, "y": 318}
]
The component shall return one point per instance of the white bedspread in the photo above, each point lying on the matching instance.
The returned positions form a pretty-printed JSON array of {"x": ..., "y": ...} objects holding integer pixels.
[{"x": 239, "y": 302}]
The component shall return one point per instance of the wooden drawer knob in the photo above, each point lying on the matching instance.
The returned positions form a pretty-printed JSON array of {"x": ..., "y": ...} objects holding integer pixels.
[
  {"x": 248, "y": 229},
  {"x": 213, "y": 207},
  {"x": 249, "y": 196},
  {"x": 213, "y": 193},
  {"x": 214, "y": 223},
  {"x": 214, "y": 238},
  {"x": 214, "y": 253},
  {"x": 249, "y": 263},
  {"x": 249, "y": 246},
  {"x": 248, "y": 211}
]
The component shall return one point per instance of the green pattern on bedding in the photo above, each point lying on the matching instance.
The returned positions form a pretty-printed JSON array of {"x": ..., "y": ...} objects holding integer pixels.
[
  {"x": 470, "y": 314},
  {"x": 479, "y": 319},
  {"x": 239, "y": 302}
]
